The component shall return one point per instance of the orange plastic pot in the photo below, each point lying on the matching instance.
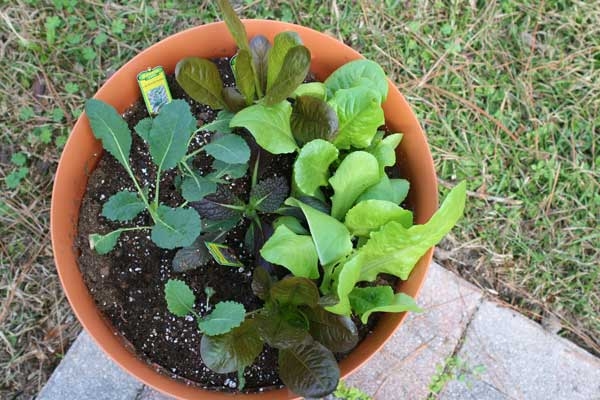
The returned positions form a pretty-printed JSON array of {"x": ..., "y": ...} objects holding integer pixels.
[{"x": 82, "y": 152}]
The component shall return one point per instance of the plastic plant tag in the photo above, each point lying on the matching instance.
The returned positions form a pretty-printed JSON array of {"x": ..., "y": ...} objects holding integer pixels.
[
  {"x": 155, "y": 89},
  {"x": 223, "y": 255}
]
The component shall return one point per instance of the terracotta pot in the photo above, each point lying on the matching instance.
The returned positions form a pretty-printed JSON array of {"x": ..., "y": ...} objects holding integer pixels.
[{"x": 82, "y": 152}]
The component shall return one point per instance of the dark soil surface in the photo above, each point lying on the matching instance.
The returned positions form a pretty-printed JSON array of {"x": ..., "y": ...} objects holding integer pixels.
[{"x": 127, "y": 283}]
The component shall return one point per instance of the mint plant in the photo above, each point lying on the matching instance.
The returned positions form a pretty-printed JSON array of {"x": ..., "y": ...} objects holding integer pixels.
[{"x": 168, "y": 137}]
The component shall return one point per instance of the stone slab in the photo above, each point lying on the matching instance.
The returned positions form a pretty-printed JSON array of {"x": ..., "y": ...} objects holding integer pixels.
[
  {"x": 87, "y": 374},
  {"x": 520, "y": 360},
  {"x": 403, "y": 369}
]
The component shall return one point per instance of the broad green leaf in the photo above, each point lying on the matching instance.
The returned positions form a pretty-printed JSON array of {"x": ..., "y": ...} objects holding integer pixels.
[
  {"x": 370, "y": 215},
  {"x": 295, "y": 252},
  {"x": 233, "y": 350},
  {"x": 358, "y": 171},
  {"x": 170, "y": 133},
  {"x": 195, "y": 186},
  {"x": 293, "y": 71},
  {"x": 234, "y": 24},
  {"x": 143, "y": 128},
  {"x": 311, "y": 168},
  {"x": 269, "y": 194},
  {"x": 123, "y": 206},
  {"x": 261, "y": 283},
  {"x": 234, "y": 100},
  {"x": 270, "y": 126},
  {"x": 229, "y": 148},
  {"x": 259, "y": 48},
  {"x": 366, "y": 301},
  {"x": 385, "y": 151},
  {"x": 201, "y": 80},
  {"x": 314, "y": 89},
  {"x": 291, "y": 223},
  {"x": 309, "y": 369},
  {"x": 180, "y": 298},
  {"x": 313, "y": 118},
  {"x": 282, "y": 43},
  {"x": 178, "y": 227},
  {"x": 276, "y": 330},
  {"x": 332, "y": 239},
  {"x": 108, "y": 126},
  {"x": 394, "y": 190},
  {"x": 395, "y": 250},
  {"x": 296, "y": 291},
  {"x": 347, "y": 277},
  {"x": 358, "y": 73},
  {"x": 219, "y": 124},
  {"x": 359, "y": 114},
  {"x": 244, "y": 75},
  {"x": 222, "y": 169},
  {"x": 222, "y": 225},
  {"x": 226, "y": 316},
  {"x": 102, "y": 244},
  {"x": 336, "y": 332}
]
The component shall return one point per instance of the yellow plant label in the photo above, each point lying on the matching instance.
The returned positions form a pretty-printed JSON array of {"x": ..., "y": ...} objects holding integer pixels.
[{"x": 155, "y": 89}]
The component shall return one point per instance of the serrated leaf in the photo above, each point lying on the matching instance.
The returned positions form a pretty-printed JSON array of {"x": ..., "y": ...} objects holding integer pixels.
[
  {"x": 219, "y": 124},
  {"x": 123, "y": 206},
  {"x": 201, "y": 80},
  {"x": 143, "y": 128},
  {"x": 358, "y": 171},
  {"x": 269, "y": 194},
  {"x": 295, "y": 290},
  {"x": 234, "y": 24},
  {"x": 336, "y": 332},
  {"x": 359, "y": 114},
  {"x": 370, "y": 215},
  {"x": 222, "y": 169},
  {"x": 170, "y": 133},
  {"x": 331, "y": 237},
  {"x": 314, "y": 89},
  {"x": 282, "y": 43},
  {"x": 347, "y": 277},
  {"x": 270, "y": 126},
  {"x": 365, "y": 301},
  {"x": 358, "y": 73},
  {"x": 226, "y": 316},
  {"x": 229, "y": 148},
  {"x": 292, "y": 223},
  {"x": 231, "y": 351},
  {"x": 102, "y": 244},
  {"x": 313, "y": 118},
  {"x": 309, "y": 369},
  {"x": 311, "y": 168},
  {"x": 259, "y": 49},
  {"x": 178, "y": 227},
  {"x": 108, "y": 126},
  {"x": 295, "y": 252},
  {"x": 261, "y": 283},
  {"x": 195, "y": 187},
  {"x": 385, "y": 151},
  {"x": 293, "y": 71},
  {"x": 180, "y": 298},
  {"x": 244, "y": 75},
  {"x": 393, "y": 190},
  {"x": 213, "y": 207}
]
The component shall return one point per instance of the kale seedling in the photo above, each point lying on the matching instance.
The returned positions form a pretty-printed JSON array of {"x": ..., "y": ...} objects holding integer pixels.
[{"x": 168, "y": 137}]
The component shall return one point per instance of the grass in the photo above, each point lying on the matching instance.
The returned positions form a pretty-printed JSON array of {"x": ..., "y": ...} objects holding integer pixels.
[{"x": 508, "y": 92}]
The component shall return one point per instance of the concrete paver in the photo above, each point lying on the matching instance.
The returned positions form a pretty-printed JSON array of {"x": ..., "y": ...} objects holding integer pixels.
[{"x": 520, "y": 360}]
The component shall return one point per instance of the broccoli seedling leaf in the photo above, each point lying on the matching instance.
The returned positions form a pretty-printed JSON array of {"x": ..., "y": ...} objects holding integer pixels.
[
  {"x": 221, "y": 169},
  {"x": 123, "y": 206},
  {"x": 201, "y": 80},
  {"x": 108, "y": 126},
  {"x": 229, "y": 148},
  {"x": 226, "y": 316},
  {"x": 102, "y": 244},
  {"x": 219, "y": 124},
  {"x": 180, "y": 298},
  {"x": 195, "y": 187},
  {"x": 233, "y": 350},
  {"x": 143, "y": 127},
  {"x": 178, "y": 227},
  {"x": 269, "y": 194}
]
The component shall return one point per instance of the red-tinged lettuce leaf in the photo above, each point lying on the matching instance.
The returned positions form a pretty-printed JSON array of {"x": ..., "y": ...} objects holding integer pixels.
[
  {"x": 259, "y": 49},
  {"x": 336, "y": 332},
  {"x": 201, "y": 80},
  {"x": 313, "y": 118},
  {"x": 244, "y": 75},
  {"x": 296, "y": 291},
  {"x": 277, "y": 331},
  {"x": 234, "y": 100},
  {"x": 282, "y": 43},
  {"x": 234, "y": 24},
  {"x": 261, "y": 283},
  {"x": 293, "y": 71}
]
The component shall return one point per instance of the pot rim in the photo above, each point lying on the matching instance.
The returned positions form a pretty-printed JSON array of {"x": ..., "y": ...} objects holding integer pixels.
[{"x": 72, "y": 174}]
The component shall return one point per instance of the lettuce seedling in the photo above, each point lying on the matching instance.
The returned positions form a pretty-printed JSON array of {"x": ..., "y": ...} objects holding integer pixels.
[{"x": 168, "y": 137}]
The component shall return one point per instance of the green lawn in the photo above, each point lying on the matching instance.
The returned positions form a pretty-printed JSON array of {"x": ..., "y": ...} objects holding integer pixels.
[{"x": 508, "y": 92}]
